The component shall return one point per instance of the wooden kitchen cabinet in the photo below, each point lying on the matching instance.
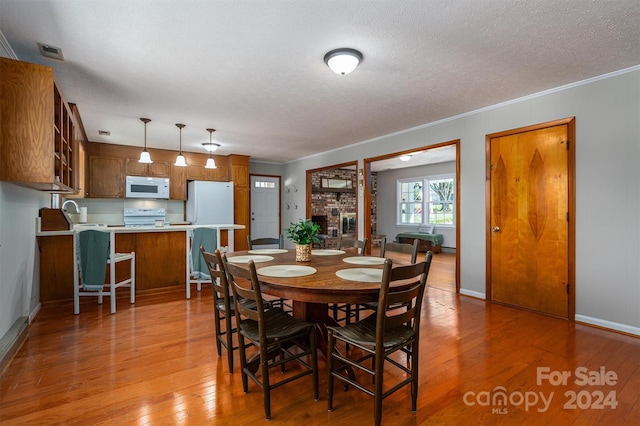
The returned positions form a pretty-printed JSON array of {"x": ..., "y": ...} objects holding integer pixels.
[
  {"x": 219, "y": 174},
  {"x": 178, "y": 183},
  {"x": 37, "y": 130},
  {"x": 239, "y": 165},
  {"x": 106, "y": 177},
  {"x": 156, "y": 169},
  {"x": 81, "y": 157},
  {"x": 81, "y": 187},
  {"x": 160, "y": 262}
]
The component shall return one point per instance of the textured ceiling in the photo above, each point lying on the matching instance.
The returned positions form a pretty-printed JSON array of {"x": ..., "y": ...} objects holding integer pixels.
[{"x": 254, "y": 70}]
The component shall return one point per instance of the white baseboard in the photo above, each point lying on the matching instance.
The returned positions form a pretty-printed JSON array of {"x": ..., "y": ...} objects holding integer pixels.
[
  {"x": 624, "y": 328},
  {"x": 12, "y": 340},
  {"x": 475, "y": 294},
  {"x": 35, "y": 311}
]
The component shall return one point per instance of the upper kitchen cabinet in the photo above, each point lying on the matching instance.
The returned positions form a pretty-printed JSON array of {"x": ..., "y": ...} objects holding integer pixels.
[
  {"x": 155, "y": 169},
  {"x": 178, "y": 183},
  {"x": 81, "y": 142},
  {"x": 106, "y": 177},
  {"x": 37, "y": 130},
  {"x": 197, "y": 171}
]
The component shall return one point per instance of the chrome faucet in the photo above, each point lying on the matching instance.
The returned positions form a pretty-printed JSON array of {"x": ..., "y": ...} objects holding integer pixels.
[{"x": 70, "y": 202}]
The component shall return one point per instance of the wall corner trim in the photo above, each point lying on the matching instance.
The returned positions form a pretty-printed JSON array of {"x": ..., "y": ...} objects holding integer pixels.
[{"x": 11, "y": 342}]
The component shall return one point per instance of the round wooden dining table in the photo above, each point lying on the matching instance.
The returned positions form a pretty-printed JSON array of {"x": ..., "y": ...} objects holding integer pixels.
[{"x": 311, "y": 293}]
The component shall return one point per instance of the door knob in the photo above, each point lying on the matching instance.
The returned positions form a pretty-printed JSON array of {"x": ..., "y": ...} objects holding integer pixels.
[{"x": 496, "y": 229}]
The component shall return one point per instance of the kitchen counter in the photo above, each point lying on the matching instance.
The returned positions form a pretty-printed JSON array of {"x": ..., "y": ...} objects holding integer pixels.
[
  {"x": 161, "y": 255},
  {"x": 136, "y": 229}
]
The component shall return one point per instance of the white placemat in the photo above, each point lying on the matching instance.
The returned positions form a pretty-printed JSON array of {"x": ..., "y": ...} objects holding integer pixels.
[
  {"x": 267, "y": 251},
  {"x": 326, "y": 252},
  {"x": 286, "y": 271},
  {"x": 245, "y": 259},
  {"x": 365, "y": 260},
  {"x": 367, "y": 275}
]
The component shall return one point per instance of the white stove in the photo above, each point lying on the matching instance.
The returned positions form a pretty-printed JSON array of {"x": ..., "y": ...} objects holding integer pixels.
[{"x": 144, "y": 217}]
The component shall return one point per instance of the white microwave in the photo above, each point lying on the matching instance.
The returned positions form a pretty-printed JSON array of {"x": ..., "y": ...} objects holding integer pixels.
[{"x": 147, "y": 187}]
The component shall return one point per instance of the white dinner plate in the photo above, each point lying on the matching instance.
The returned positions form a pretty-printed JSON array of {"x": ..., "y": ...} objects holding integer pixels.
[
  {"x": 367, "y": 275},
  {"x": 286, "y": 271},
  {"x": 267, "y": 251},
  {"x": 364, "y": 260},
  {"x": 326, "y": 252},
  {"x": 245, "y": 259}
]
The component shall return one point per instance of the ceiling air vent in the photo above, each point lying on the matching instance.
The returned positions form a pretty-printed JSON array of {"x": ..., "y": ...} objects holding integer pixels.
[
  {"x": 104, "y": 133},
  {"x": 52, "y": 52}
]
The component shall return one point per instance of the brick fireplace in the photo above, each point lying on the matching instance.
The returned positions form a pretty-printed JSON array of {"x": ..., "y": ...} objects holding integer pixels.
[{"x": 331, "y": 208}]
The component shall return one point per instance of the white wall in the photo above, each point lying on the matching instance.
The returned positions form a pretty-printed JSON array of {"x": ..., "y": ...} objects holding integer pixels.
[
  {"x": 19, "y": 271},
  {"x": 387, "y": 201},
  {"x": 607, "y": 112},
  {"x": 263, "y": 168}
]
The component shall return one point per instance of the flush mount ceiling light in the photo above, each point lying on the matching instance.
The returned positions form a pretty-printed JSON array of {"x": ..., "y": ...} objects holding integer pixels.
[
  {"x": 405, "y": 157},
  {"x": 180, "y": 161},
  {"x": 344, "y": 60},
  {"x": 144, "y": 155},
  {"x": 210, "y": 146},
  {"x": 211, "y": 163}
]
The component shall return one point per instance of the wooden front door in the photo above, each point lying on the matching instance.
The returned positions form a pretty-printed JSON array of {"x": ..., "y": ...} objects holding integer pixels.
[{"x": 529, "y": 245}]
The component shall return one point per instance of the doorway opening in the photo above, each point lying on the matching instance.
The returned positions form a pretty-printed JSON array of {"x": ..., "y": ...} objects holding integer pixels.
[{"x": 375, "y": 225}]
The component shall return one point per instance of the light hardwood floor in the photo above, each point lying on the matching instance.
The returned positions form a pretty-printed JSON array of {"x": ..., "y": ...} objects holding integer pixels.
[{"x": 154, "y": 363}]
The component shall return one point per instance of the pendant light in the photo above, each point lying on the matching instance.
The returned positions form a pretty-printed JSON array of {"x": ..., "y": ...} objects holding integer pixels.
[
  {"x": 211, "y": 163},
  {"x": 144, "y": 155},
  {"x": 180, "y": 161}
]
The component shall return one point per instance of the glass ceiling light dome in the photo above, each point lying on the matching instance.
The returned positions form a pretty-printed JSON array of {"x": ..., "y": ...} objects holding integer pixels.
[
  {"x": 211, "y": 163},
  {"x": 344, "y": 60},
  {"x": 144, "y": 155},
  {"x": 180, "y": 161}
]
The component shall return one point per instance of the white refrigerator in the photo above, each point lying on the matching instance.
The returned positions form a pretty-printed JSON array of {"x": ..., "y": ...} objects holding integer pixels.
[{"x": 210, "y": 203}]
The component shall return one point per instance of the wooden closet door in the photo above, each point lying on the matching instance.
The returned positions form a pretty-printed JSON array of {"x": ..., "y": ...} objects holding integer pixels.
[{"x": 529, "y": 228}]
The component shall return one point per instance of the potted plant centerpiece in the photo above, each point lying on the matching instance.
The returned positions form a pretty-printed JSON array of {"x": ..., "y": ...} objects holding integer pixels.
[{"x": 303, "y": 233}]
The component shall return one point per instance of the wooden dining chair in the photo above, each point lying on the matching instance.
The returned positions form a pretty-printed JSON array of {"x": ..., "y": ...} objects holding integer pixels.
[
  {"x": 270, "y": 241},
  {"x": 223, "y": 306},
  {"x": 402, "y": 248},
  {"x": 267, "y": 241},
  {"x": 273, "y": 332},
  {"x": 348, "y": 243},
  {"x": 392, "y": 249},
  {"x": 382, "y": 334},
  {"x": 347, "y": 311}
]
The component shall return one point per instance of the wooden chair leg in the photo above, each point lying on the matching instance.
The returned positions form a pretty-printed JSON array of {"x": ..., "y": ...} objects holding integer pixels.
[
  {"x": 314, "y": 363},
  {"x": 243, "y": 363},
  {"x": 229, "y": 336},
  {"x": 266, "y": 386},
  {"x": 216, "y": 324},
  {"x": 330, "y": 364}
]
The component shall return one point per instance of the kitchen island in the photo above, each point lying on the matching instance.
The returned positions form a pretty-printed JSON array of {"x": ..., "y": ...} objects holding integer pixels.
[{"x": 161, "y": 255}]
